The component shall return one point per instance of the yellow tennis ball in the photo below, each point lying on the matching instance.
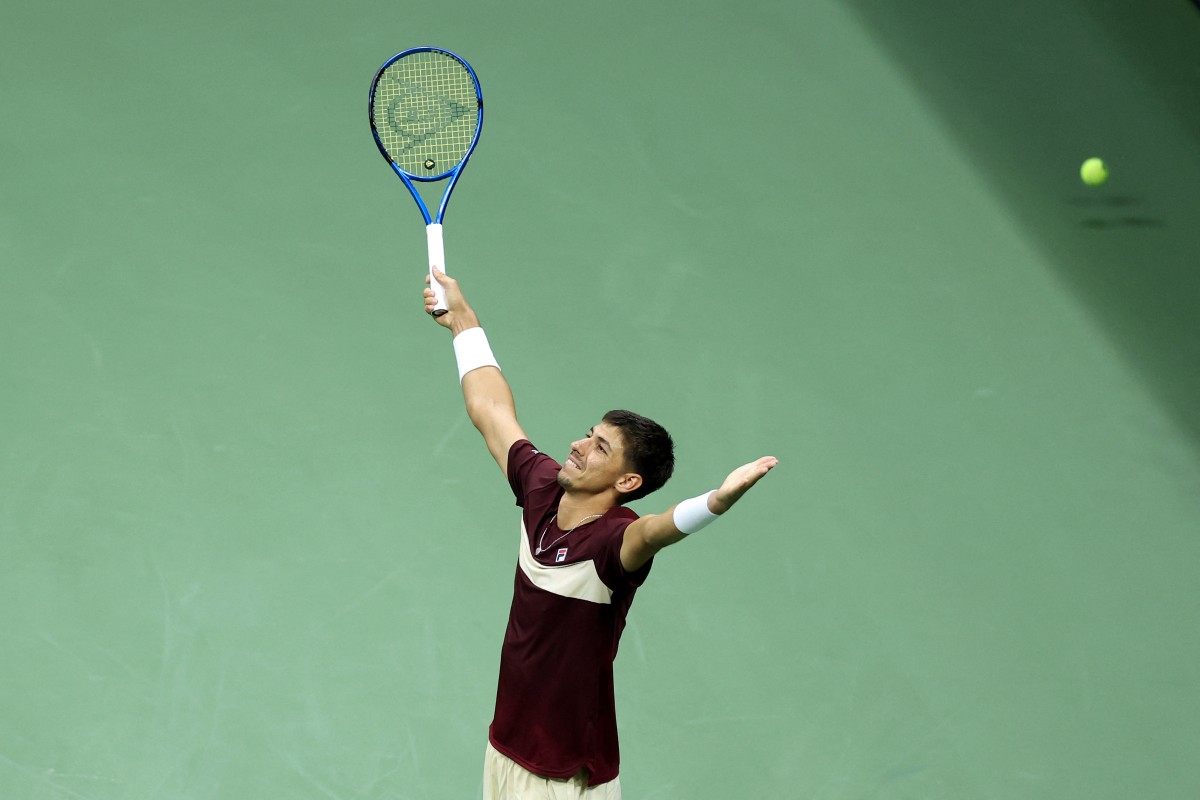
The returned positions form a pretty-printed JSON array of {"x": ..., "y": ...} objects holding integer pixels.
[{"x": 1094, "y": 172}]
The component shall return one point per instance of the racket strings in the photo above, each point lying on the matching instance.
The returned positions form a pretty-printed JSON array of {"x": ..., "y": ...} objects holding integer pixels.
[{"x": 426, "y": 112}]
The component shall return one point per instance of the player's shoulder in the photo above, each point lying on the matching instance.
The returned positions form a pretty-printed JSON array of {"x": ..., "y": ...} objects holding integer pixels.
[
  {"x": 529, "y": 466},
  {"x": 620, "y": 517},
  {"x": 523, "y": 450},
  {"x": 623, "y": 512}
]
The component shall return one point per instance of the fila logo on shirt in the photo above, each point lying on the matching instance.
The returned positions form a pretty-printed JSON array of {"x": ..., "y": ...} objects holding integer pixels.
[{"x": 560, "y": 556}]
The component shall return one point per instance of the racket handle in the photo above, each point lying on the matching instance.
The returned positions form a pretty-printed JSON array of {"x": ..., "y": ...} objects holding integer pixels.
[{"x": 437, "y": 258}]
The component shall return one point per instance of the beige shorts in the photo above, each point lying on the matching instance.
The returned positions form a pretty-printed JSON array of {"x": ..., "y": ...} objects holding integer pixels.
[{"x": 505, "y": 779}]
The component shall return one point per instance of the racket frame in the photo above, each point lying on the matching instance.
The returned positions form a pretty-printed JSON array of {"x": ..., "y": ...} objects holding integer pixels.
[{"x": 433, "y": 224}]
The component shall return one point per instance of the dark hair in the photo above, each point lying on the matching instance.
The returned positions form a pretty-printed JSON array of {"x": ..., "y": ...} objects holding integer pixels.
[{"x": 649, "y": 451}]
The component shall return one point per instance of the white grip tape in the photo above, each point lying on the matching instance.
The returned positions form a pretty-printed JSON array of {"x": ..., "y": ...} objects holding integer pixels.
[
  {"x": 437, "y": 258},
  {"x": 692, "y": 514}
]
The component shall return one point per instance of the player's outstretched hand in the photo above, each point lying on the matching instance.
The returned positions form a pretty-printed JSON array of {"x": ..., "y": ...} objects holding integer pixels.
[
  {"x": 739, "y": 482},
  {"x": 458, "y": 316}
]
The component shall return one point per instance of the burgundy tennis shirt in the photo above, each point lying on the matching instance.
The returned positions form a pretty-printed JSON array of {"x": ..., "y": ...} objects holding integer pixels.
[{"x": 555, "y": 705}]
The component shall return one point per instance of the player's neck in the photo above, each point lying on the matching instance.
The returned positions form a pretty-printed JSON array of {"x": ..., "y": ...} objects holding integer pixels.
[{"x": 574, "y": 507}]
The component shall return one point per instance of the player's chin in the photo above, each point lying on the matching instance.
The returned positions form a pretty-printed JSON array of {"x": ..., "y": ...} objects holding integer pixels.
[{"x": 563, "y": 480}]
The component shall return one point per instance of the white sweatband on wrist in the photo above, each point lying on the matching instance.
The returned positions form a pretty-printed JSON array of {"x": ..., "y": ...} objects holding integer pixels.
[
  {"x": 472, "y": 351},
  {"x": 691, "y": 515}
]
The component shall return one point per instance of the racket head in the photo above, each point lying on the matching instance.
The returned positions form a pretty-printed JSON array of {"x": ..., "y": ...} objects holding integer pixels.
[{"x": 426, "y": 112}]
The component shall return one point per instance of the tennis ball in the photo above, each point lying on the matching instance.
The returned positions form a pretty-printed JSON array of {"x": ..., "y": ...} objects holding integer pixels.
[{"x": 1094, "y": 172}]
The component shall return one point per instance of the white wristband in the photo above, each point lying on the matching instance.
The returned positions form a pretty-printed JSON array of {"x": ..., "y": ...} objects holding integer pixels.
[
  {"x": 691, "y": 515},
  {"x": 472, "y": 351}
]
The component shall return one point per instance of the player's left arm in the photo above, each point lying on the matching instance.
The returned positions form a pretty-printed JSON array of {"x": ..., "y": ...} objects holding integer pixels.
[{"x": 646, "y": 535}]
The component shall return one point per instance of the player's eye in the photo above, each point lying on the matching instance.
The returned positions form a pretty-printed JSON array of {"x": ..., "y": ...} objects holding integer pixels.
[{"x": 599, "y": 444}]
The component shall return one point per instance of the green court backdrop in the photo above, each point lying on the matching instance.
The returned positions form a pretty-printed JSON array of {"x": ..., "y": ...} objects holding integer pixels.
[{"x": 250, "y": 547}]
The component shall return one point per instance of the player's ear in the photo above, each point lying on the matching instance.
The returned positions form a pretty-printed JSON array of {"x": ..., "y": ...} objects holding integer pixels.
[{"x": 628, "y": 482}]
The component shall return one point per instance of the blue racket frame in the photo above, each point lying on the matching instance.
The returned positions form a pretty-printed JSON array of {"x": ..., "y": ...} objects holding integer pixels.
[{"x": 452, "y": 173}]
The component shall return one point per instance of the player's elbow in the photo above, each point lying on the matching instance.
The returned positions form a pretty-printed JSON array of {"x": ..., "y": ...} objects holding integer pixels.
[
  {"x": 487, "y": 413},
  {"x": 658, "y": 532}
]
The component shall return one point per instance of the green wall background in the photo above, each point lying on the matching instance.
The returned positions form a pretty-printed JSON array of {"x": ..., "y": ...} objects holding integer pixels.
[{"x": 251, "y": 548}]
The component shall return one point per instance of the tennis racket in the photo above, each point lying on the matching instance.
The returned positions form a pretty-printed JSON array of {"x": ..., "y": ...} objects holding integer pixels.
[{"x": 426, "y": 114}]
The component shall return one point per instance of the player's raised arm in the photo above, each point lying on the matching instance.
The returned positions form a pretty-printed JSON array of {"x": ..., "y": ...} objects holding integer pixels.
[
  {"x": 489, "y": 399},
  {"x": 647, "y": 535}
]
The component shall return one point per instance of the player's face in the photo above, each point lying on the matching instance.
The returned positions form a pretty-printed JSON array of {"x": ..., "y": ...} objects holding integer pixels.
[{"x": 596, "y": 461}]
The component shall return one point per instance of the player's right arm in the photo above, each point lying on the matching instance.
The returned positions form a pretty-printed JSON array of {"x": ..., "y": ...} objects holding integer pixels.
[{"x": 489, "y": 399}]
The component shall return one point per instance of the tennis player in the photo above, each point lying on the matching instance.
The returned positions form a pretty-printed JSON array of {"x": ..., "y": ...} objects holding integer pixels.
[{"x": 582, "y": 556}]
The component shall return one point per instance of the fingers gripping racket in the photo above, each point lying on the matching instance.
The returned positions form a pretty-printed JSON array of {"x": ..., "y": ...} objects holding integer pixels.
[{"x": 426, "y": 113}]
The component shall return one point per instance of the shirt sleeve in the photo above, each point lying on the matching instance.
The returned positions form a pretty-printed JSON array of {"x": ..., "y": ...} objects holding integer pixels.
[
  {"x": 612, "y": 572},
  {"x": 529, "y": 470}
]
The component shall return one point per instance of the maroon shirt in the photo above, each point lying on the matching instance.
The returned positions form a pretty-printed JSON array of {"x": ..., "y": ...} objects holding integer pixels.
[{"x": 555, "y": 707}]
